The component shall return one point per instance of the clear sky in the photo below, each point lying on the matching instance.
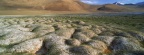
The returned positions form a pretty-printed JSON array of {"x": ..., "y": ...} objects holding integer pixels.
[{"x": 110, "y": 1}]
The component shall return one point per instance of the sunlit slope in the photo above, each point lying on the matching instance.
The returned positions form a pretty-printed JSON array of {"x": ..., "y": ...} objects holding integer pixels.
[{"x": 56, "y": 5}]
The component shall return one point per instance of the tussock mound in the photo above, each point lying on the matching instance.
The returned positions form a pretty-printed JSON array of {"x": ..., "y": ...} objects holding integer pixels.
[
  {"x": 41, "y": 36},
  {"x": 112, "y": 7}
]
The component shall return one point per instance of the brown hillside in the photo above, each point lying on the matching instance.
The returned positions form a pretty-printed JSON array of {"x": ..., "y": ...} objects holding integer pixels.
[
  {"x": 112, "y": 7},
  {"x": 54, "y": 5},
  {"x": 64, "y": 5}
]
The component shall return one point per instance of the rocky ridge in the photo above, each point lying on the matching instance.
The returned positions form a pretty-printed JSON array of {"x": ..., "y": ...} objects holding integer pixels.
[{"x": 42, "y": 36}]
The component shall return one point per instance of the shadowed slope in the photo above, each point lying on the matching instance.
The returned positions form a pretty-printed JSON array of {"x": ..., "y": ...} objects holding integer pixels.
[{"x": 112, "y": 7}]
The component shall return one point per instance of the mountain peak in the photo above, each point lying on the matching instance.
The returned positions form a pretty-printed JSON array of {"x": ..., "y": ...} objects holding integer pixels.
[{"x": 118, "y": 3}]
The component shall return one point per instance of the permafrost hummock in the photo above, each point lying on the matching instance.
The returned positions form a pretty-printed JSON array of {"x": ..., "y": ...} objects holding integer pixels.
[{"x": 50, "y": 36}]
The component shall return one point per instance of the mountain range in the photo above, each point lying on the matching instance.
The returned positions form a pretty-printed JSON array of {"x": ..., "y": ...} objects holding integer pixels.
[
  {"x": 65, "y": 5},
  {"x": 140, "y": 4}
]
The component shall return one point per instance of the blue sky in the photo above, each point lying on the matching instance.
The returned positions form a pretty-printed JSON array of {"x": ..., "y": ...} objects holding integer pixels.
[{"x": 110, "y": 1}]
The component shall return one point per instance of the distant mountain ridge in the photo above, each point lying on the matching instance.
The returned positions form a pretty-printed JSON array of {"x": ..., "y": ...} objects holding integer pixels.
[
  {"x": 113, "y": 8},
  {"x": 140, "y": 4}
]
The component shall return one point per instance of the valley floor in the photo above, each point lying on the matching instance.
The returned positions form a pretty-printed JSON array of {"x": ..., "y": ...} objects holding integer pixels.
[
  {"x": 37, "y": 12},
  {"x": 72, "y": 35}
]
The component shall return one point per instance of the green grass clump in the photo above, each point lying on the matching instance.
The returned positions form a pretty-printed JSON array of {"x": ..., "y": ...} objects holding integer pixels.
[
  {"x": 130, "y": 22},
  {"x": 7, "y": 53}
]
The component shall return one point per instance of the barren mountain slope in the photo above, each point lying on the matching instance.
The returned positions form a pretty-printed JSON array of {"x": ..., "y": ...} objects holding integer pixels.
[
  {"x": 56, "y": 5},
  {"x": 64, "y": 5}
]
